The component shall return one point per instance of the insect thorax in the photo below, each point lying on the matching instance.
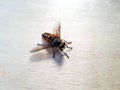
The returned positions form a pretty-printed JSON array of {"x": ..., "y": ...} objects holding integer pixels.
[{"x": 55, "y": 42}]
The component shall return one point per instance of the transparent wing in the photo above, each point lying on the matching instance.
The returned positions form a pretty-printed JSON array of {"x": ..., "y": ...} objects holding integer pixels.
[
  {"x": 57, "y": 28},
  {"x": 39, "y": 47}
]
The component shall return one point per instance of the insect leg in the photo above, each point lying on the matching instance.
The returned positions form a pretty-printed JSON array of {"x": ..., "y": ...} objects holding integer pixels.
[
  {"x": 66, "y": 44},
  {"x": 53, "y": 52},
  {"x": 66, "y": 41},
  {"x": 63, "y": 53},
  {"x": 70, "y": 48},
  {"x": 66, "y": 54}
]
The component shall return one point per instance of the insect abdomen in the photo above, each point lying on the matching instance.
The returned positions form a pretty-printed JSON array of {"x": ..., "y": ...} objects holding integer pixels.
[{"x": 48, "y": 37}]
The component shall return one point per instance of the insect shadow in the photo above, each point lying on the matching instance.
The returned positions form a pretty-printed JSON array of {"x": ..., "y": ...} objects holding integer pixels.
[{"x": 47, "y": 55}]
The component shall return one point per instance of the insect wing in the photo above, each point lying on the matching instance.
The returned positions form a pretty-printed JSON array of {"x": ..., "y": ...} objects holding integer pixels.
[
  {"x": 57, "y": 28},
  {"x": 39, "y": 47}
]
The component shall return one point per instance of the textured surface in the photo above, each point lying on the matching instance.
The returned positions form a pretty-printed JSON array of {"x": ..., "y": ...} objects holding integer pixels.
[{"x": 93, "y": 26}]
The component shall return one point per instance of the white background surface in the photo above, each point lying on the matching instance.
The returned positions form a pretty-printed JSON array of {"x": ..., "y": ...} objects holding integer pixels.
[{"x": 93, "y": 26}]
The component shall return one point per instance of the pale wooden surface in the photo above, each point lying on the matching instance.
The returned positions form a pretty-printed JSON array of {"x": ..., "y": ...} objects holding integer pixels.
[{"x": 93, "y": 26}]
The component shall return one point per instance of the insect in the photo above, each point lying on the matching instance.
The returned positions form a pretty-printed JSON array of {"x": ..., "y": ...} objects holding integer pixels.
[{"x": 54, "y": 41}]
